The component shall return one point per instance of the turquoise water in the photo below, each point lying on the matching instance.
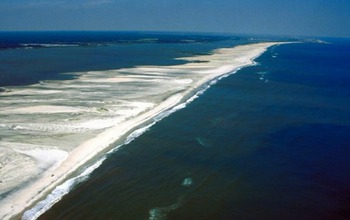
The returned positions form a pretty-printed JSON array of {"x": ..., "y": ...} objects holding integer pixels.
[{"x": 269, "y": 142}]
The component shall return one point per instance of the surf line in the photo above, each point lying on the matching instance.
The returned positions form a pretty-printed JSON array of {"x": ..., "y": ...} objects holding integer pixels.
[{"x": 88, "y": 150}]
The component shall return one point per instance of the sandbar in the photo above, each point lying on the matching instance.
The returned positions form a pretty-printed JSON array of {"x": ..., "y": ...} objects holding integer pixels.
[{"x": 163, "y": 87}]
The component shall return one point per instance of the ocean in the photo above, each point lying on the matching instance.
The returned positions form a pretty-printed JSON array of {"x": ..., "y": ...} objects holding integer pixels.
[{"x": 268, "y": 142}]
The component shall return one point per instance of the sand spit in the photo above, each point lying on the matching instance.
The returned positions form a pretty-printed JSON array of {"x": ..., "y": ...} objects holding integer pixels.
[{"x": 126, "y": 97}]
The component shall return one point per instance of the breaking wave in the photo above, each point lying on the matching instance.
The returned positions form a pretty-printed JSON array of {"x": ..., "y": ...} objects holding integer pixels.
[
  {"x": 63, "y": 189},
  {"x": 57, "y": 194}
]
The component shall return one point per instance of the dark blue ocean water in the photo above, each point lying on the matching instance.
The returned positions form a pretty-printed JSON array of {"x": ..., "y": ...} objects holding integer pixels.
[
  {"x": 269, "y": 142},
  {"x": 29, "y": 57}
]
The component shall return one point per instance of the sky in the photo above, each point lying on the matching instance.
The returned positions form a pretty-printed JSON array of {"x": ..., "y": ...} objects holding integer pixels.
[{"x": 327, "y": 18}]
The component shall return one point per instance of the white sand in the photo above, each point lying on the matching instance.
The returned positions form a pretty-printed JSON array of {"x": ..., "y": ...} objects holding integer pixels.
[
  {"x": 221, "y": 62},
  {"x": 47, "y": 159},
  {"x": 33, "y": 159},
  {"x": 43, "y": 109}
]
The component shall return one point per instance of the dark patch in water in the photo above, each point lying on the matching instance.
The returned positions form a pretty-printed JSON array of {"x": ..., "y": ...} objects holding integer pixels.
[{"x": 318, "y": 155}]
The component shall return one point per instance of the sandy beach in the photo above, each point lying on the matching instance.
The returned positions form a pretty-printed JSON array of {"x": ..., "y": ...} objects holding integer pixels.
[{"x": 91, "y": 121}]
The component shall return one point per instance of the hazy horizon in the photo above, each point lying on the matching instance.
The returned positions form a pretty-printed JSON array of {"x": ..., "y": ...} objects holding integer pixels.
[{"x": 316, "y": 18}]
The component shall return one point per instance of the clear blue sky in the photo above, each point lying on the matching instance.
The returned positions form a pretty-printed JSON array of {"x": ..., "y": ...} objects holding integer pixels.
[{"x": 278, "y": 17}]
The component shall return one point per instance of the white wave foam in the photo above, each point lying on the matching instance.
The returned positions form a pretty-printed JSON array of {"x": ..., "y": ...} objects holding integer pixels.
[
  {"x": 161, "y": 212},
  {"x": 187, "y": 182},
  {"x": 63, "y": 189},
  {"x": 192, "y": 98},
  {"x": 137, "y": 133},
  {"x": 58, "y": 193}
]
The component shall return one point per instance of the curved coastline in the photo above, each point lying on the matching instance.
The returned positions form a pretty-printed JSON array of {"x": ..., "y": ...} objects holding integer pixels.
[{"x": 211, "y": 67}]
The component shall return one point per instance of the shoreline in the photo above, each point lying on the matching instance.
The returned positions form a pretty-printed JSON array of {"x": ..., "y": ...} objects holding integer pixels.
[{"x": 219, "y": 64}]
